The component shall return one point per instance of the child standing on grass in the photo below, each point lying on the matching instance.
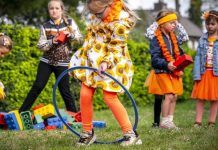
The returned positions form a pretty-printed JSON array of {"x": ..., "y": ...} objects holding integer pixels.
[
  {"x": 151, "y": 81},
  {"x": 206, "y": 70},
  {"x": 165, "y": 50},
  {"x": 56, "y": 56},
  {"x": 5, "y": 48},
  {"x": 105, "y": 48}
]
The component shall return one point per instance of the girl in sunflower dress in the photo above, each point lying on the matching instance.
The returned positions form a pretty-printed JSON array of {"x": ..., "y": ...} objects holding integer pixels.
[
  {"x": 105, "y": 48},
  {"x": 164, "y": 49}
]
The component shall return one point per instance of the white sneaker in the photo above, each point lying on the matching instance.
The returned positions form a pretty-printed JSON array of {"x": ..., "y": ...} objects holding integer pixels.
[
  {"x": 168, "y": 125},
  {"x": 131, "y": 138}
]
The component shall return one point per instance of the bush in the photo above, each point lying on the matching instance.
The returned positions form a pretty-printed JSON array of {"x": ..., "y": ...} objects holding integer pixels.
[{"x": 18, "y": 71}]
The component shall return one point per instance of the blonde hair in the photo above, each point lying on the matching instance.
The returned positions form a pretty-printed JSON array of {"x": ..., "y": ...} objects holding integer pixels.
[
  {"x": 125, "y": 8},
  {"x": 5, "y": 41},
  {"x": 64, "y": 12}
]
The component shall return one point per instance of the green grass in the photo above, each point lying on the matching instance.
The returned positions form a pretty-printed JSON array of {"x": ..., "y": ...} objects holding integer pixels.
[{"x": 186, "y": 137}]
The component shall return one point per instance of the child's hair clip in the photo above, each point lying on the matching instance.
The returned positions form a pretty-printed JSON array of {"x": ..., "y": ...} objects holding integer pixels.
[{"x": 205, "y": 15}]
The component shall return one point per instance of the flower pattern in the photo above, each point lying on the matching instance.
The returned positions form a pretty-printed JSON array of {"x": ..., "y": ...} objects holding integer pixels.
[{"x": 105, "y": 42}]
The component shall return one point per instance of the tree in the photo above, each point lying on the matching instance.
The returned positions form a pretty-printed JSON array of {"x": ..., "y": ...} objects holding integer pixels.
[
  {"x": 195, "y": 12},
  {"x": 29, "y": 11}
]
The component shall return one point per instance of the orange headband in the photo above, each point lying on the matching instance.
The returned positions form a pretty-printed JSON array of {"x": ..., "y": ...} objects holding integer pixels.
[
  {"x": 206, "y": 14},
  {"x": 167, "y": 18}
]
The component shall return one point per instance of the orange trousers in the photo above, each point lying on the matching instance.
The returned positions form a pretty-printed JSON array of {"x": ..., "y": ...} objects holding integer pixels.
[{"x": 112, "y": 101}]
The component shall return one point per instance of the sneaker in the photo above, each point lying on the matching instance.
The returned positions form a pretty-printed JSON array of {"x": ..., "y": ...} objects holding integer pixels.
[
  {"x": 86, "y": 138},
  {"x": 197, "y": 125},
  {"x": 155, "y": 125},
  {"x": 211, "y": 124},
  {"x": 131, "y": 138},
  {"x": 168, "y": 125}
]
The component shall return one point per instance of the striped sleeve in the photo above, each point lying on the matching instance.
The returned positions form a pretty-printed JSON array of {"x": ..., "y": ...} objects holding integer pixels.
[{"x": 44, "y": 44}]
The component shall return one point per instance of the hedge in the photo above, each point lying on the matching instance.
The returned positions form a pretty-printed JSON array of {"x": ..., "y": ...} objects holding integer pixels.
[{"x": 18, "y": 71}]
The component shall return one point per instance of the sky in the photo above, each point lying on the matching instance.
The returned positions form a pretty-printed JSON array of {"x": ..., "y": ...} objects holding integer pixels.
[{"x": 149, "y": 4}]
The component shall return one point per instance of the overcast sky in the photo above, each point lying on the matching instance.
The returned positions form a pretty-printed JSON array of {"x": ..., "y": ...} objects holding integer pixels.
[{"x": 149, "y": 4}]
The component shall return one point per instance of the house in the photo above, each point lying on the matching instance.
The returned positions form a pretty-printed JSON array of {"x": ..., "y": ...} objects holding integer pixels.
[{"x": 148, "y": 17}]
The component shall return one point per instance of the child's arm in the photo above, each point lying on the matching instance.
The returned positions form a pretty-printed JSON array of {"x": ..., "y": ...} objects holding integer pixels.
[
  {"x": 76, "y": 35},
  {"x": 197, "y": 64},
  {"x": 44, "y": 44}
]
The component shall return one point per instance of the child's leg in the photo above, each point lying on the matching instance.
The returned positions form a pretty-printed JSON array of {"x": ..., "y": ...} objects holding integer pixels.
[
  {"x": 157, "y": 108},
  {"x": 213, "y": 111},
  {"x": 172, "y": 107},
  {"x": 167, "y": 105},
  {"x": 86, "y": 107},
  {"x": 199, "y": 111},
  {"x": 118, "y": 110}
]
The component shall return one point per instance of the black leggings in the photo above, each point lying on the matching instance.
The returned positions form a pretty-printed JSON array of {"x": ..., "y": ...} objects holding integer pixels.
[
  {"x": 43, "y": 73},
  {"x": 157, "y": 108}
]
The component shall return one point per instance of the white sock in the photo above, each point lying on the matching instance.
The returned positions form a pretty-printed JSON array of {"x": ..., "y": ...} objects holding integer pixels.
[
  {"x": 165, "y": 119},
  {"x": 170, "y": 118}
]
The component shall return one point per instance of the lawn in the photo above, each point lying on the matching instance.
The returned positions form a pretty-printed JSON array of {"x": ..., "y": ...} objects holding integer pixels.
[{"x": 187, "y": 137}]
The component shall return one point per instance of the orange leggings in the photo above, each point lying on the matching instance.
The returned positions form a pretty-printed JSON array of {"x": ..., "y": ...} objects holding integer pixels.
[{"x": 112, "y": 101}]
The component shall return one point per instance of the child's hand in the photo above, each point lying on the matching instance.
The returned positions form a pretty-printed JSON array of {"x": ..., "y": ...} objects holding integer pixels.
[
  {"x": 67, "y": 33},
  {"x": 102, "y": 67},
  {"x": 54, "y": 40},
  {"x": 170, "y": 66}
]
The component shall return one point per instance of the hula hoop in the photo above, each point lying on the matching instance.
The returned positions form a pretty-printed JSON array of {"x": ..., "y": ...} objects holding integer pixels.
[{"x": 104, "y": 73}]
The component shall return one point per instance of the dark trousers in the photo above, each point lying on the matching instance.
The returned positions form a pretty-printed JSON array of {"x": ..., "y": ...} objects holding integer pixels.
[
  {"x": 157, "y": 108},
  {"x": 43, "y": 73}
]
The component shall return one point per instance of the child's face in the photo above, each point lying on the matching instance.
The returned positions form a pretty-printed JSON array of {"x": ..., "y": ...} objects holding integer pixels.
[
  {"x": 3, "y": 51},
  {"x": 212, "y": 27},
  {"x": 170, "y": 26},
  {"x": 55, "y": 10}
]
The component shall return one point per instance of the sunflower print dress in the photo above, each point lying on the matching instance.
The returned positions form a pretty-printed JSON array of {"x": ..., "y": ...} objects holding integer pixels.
[{"x": 105, "y": 42}]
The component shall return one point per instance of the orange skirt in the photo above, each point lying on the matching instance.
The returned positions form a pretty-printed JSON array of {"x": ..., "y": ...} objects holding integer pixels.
[
  {"x": 206, "y": 88},
  {"x": 152, "y": 84},
  {"x": 164, "y": 83}
]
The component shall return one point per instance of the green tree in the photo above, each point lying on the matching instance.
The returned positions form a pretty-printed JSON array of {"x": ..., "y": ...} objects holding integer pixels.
[
  {"x": 195, "y": 11},
  {"x": 30, "y": 11}
]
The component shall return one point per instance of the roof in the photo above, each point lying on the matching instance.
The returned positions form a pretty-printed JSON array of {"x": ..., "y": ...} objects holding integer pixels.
[
  {"x": 191, "y": 28},
  {"x": 148, "y": 18}
]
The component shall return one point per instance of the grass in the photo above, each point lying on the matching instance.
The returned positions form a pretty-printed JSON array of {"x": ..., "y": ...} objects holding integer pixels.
[{"x": 186, "y": 137}]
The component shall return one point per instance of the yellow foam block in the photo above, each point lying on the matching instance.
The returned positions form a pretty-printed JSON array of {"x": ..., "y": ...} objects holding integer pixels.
[
  {"x": 18, "y": 118},
  {"x": 46, "y": 111}
]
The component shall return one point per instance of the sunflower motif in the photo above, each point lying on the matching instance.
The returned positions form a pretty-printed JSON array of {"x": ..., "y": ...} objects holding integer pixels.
[
  {"x": 120, "y": 70},
  {"x": 125, "y": 80},
  {"x": 101, "y": 84},
  {"x": 114, "y": 86},
  {"x": 114, "y": 43},
  {"x": 99, "y": 60},
  {"x": 100, "y": 31},
  {"x": 126, "y": 68},
  {"x": 120, "y": 31},
  {"x": 84, "y": 54},
  {"x": 110, "y": 72},
  {"x": 82, "y": 77},
  {"x": 97, "y": 47},
  {"x": 116, "y": 59}
]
